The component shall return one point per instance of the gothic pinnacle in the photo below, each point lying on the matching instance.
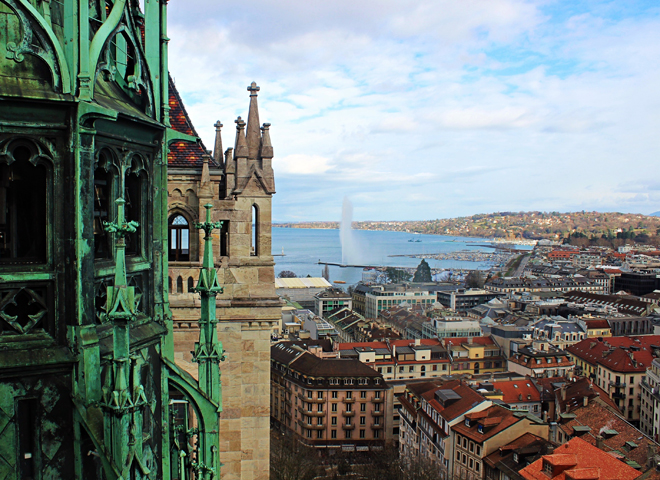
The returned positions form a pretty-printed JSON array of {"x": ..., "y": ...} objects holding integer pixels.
[
  {"x": 217, "y": 150},
  {"x": 253, "y": 134}
]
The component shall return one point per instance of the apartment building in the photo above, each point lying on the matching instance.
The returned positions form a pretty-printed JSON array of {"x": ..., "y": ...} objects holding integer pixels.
[
  {"x": 428, "y": 413},
  {"x": 474, "y": 355},
  {"x": 328, "y": 402},
  {"x": 373, "y": 299},
  {"x": 332, "y": 299},
  {"x": 463, "y": 299},
  {"x": 535, "y": 362},
  {"x": 521, "y": 394},
  {"x": 564, "y": 284},
  {"x": 400, "y": 359},
  {"x": 649, "y": 421},
  {"x": 483, "y": 432},
  {"x": 618, "y": 365}
]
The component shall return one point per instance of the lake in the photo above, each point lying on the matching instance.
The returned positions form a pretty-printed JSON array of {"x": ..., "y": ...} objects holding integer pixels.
[{"x": 303, "y": 248}]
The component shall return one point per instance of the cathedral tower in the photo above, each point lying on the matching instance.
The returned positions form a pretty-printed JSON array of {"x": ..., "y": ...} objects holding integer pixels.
[{"x": 239, "y": 184}]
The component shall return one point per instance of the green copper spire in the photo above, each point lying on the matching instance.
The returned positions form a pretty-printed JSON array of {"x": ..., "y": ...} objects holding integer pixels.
[
  {"x": 123, "y": 408},
  {"x": 208, "y": 351}
]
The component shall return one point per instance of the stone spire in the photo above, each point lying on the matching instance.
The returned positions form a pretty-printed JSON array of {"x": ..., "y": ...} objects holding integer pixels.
[
  {"x": 240, "y": 151},
  {"x": 266, "y": 160},
  {"x": 253, "y": 134},
  {"x": 217, "y": 150},
  {"x": 205, "y": 187}
]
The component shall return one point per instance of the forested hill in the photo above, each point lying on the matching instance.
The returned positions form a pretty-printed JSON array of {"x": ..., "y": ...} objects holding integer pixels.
[{"x": 532, "y": 225}]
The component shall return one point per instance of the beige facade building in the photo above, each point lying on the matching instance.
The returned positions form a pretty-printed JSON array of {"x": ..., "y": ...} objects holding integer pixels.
[
  {"x": 328, "y": 403},
  {"x": 239, "y": 183}
]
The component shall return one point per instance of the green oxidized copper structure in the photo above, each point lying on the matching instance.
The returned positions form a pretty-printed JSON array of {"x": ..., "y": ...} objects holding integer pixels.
[{"x": 88, "y": 383}]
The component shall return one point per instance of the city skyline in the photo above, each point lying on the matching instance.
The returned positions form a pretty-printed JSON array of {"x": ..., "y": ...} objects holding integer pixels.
[{"x": 422, "y": 110}]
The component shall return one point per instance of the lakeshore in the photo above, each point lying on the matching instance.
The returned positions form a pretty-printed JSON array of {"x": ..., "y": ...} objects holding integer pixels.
[{"x": 306, "y": 251}]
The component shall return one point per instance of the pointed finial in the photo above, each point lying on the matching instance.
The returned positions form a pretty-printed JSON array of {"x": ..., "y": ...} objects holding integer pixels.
[
  {"x": 252, "y": 130},
  {"x": 253, "y": 89},
  {"x": 218, "y": 125},
  {"x": 266, "y": 145}
]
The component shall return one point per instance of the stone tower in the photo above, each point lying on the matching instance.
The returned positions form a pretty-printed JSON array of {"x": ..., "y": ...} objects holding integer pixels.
[{"x": 239, "y": 184}]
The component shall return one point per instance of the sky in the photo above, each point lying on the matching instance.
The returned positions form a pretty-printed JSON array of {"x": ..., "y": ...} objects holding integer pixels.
[{"x": 417, "y": 110}]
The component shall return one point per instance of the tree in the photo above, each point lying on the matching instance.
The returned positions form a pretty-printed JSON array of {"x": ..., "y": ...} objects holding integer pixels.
[
  {"x": 290, "y": 459},
  {"x": 287, "y": 274},
  {"x": 423, "y": 272},
  {"x": 474, "y": 279},
  {"x": 397, "y": 275}
]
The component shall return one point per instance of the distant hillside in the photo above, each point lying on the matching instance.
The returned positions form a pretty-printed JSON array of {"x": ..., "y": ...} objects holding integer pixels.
[
  {"x": 530, "y": 225},
  {"x": 655, "y": 214}
]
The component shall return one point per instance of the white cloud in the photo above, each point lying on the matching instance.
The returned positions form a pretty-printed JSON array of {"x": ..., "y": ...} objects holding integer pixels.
[
  {"x": 300, "y": 164},
  {"x": 505, "y": 103}
]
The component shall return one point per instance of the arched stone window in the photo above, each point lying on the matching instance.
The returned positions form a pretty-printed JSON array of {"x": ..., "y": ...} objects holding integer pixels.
[
  {"x": 191, "y": 283},
  {"x": 179, "y": 250},
  {"x": 24, "y": 193},
  {"x": 179, "y": 285}
]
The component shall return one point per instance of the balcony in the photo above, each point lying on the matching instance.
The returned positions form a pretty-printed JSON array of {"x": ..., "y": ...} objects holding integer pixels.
[
  {"x": 349, "y": 400},
  {"x": 378, "y": 400},
  {"x": 377, "y": 426},
  {"x": 622, "y": 396},
  {"x": 310, "y": 400},
  {"x": 349, "y": 414},
  {"x": 310, "y": 426},
  {"x": 617, "y": 384},
  {"x": 380, "y": 413},
  {"x": 348, "y": 427},
  {"x": 311, "y": 413}
]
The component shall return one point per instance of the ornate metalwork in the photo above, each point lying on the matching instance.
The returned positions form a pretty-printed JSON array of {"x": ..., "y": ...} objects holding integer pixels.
[
  {"x": 33, "y": 42},
  {"x": 22, "y": 301}
]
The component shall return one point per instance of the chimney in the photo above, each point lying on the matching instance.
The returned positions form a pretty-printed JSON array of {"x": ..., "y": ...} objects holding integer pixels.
[
  {"x": 585, "y": 401},
  {"x": 545, "y": 417},
  {"x": 418, "y": 342},
  {"x": 600, "y": 443},
  {"x": 470, "y": 340},
  {"x": 563, "y": 393},
  {"x": 550, "y": 449}
]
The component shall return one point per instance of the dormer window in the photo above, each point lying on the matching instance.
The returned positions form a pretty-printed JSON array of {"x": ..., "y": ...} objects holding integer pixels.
[
  {"x": 515, "y": 457},
  {"x": 480, "y": 428},
  {"x": 467, "y": 422},
  {"x": 547, "y": 468}
]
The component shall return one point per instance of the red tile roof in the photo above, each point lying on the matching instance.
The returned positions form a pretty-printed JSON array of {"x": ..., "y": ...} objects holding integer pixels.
[
  {"x": 505, "y": 418},
  {"x": 579, "y": 456},
  {"x": 600, "y": 419},
  {"x": 183, "y": 154},
  {"x": 523, "y": 441},
  {"x": 609, "y": 354},
  {"x": 469, "y": 340},
  {"x": 598, "y": 323},
  {"x": 515, "y": 391}
]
